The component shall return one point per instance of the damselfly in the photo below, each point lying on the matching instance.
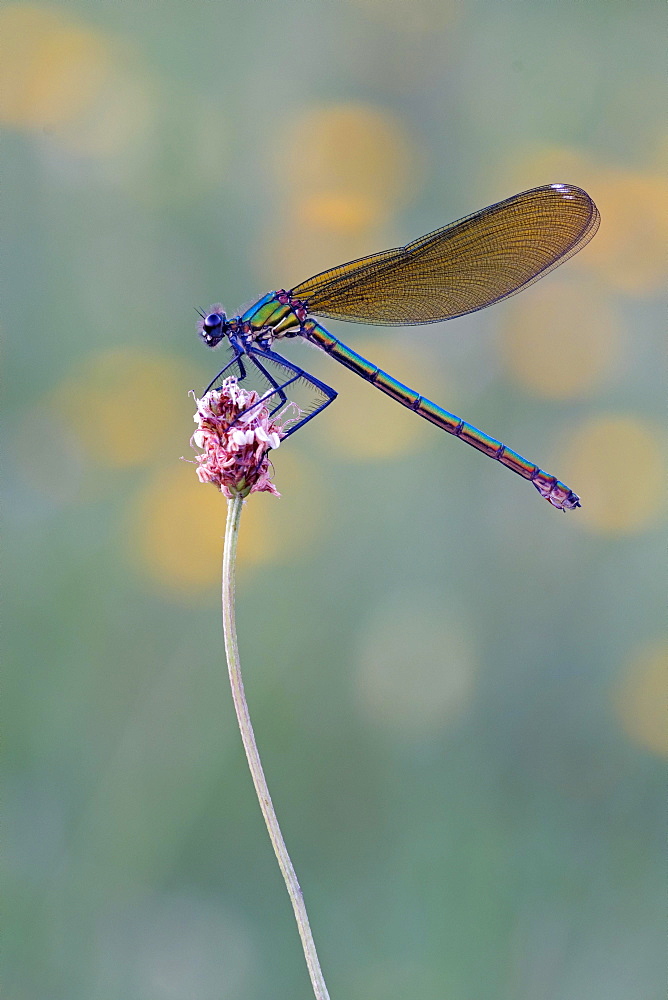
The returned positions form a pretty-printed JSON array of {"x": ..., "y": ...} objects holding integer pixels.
[{"x": 467, "y": 265}]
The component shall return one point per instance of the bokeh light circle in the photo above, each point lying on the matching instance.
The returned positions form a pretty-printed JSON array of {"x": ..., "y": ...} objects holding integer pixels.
[
  {"x": 617, "y": 465},
  {"x": 560, "y": 339},
  {"x": 126, "y": 407},
  {"x": 641, "y": 698},
  {"x": 175, "y": 528}
]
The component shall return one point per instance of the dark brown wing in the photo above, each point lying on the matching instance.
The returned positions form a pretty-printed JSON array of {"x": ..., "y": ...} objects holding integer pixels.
[{"x": 464, "y": 266}]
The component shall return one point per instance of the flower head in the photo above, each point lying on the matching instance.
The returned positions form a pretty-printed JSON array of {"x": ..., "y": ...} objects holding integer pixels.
[{"x": 235, "y": 436}]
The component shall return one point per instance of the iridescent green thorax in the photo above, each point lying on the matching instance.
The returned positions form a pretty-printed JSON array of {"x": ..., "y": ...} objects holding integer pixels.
[{"x": 281, "y": 318}]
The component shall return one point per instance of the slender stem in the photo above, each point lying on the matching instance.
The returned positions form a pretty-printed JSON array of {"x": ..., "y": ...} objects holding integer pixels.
[{"x": 262, "y": 791}]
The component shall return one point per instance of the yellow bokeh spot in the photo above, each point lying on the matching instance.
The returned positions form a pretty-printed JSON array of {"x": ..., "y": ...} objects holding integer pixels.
[
  {"x": 561, "y": 339},
  {"x": 177, "y": 524},
  {"x": 347, "y": 169},
  {"x": 642, "y": 696},
  {"x": 338, "y": 212},
  {"x": 616, "y": 465},
  {"x": 364, "y": 423},
  {"x": 51, "y": 69},
  {"x": 288, "y": 253},
  {"x": 353, "y": 152},
  {"x": 79, "y": 86},
  {"x": 629, "y": 249},
  {"x": 127, "y": 407}
]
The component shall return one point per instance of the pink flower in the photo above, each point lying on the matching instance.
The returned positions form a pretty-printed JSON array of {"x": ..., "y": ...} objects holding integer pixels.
[{"x": 235, "y": 436}]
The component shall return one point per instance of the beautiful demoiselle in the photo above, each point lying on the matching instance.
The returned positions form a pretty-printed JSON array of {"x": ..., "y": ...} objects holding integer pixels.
[{"x": 467, "y": 265}]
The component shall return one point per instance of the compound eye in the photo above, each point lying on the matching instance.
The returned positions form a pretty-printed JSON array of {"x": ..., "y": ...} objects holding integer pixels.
[{"x": 213, "y": 320}]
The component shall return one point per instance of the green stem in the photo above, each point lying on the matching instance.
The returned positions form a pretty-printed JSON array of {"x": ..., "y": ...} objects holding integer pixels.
[{"x": 262, "y": 791}]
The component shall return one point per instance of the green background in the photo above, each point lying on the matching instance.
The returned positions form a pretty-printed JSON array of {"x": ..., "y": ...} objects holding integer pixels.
[{"x": 454, "y": 687}]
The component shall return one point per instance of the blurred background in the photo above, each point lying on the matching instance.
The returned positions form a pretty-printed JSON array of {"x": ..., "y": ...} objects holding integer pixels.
[{"x": 457, "y": 691}]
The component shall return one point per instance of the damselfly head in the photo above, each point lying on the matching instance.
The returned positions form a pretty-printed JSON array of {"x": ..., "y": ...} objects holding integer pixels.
[{"x": 212, "y": 328}]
